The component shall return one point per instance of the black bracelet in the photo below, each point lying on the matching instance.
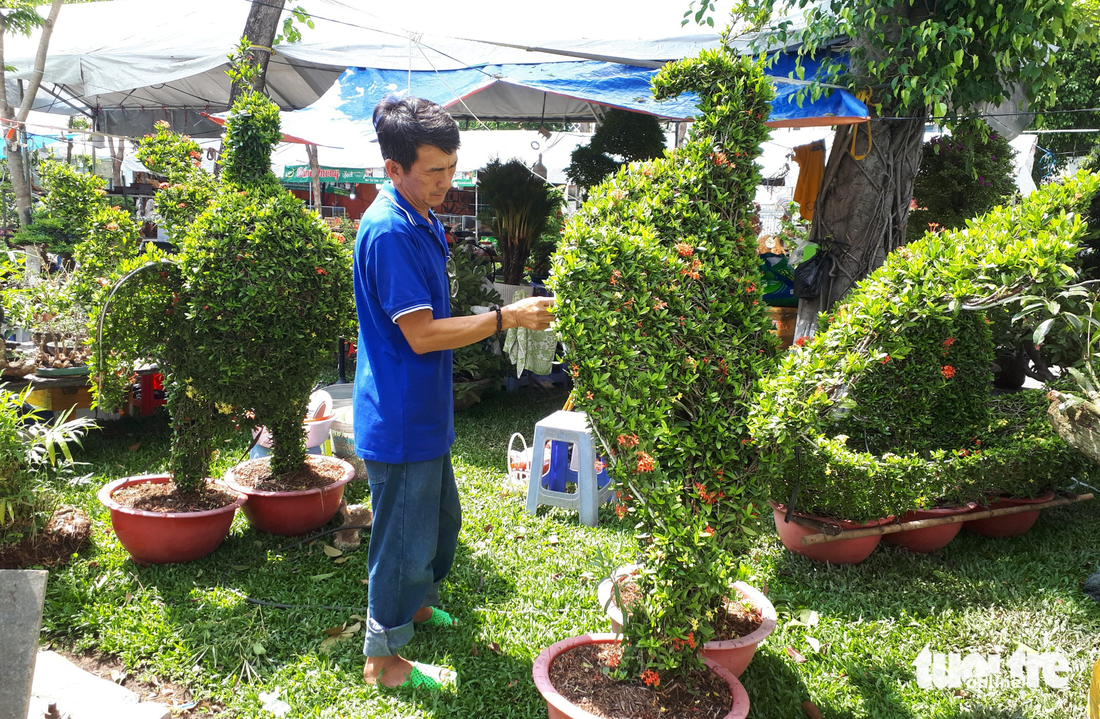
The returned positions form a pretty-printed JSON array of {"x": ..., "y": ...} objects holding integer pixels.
[{"x": 499, "y": 322}]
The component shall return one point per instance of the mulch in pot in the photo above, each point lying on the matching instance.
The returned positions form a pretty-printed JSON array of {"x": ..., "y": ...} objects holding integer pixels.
[
  {"x": 166, "y": 498},
  {"x": 318, "y": 471},
  {"x": 581, "y": 676},
  {"x": 63, "y": 536}
]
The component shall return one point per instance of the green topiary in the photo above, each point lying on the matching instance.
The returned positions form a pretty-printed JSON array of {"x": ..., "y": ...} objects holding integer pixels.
[
  {"x": 859, "y": 420},
  {"x": 242, "y": 317},
  {"x": 961, "y": 176},
  {"x": 659, "y": 302}
]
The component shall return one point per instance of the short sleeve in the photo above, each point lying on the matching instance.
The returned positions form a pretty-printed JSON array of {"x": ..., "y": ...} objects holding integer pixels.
[{"x": 395, "y": 275}]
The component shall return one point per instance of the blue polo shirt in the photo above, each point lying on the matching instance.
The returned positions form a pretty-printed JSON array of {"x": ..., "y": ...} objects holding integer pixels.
[{"x": 403, "y": 402}]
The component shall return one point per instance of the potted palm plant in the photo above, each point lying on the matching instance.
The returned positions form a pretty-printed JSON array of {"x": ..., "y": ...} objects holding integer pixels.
[
  {"x": 522, "y": 206},
  {"x": 476, "y": 367},
  {"x": 659, "y": 303}
]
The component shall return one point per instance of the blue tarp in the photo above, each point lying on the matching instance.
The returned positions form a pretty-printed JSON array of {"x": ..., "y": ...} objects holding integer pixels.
[{"x": 567, "y": 91}]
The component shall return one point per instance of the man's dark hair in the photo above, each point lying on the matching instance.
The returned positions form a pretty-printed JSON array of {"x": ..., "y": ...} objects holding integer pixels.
[{"x": 404, "y": 124}]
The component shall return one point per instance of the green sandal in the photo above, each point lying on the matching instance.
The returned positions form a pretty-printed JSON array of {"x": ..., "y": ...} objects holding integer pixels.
[
  {"x": 439, "y": 618},
  {"x": 419, "y": 680}
]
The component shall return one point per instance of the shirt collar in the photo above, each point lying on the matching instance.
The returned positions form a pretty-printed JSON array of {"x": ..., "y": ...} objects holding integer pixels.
[{"x": 402, "y": 204}]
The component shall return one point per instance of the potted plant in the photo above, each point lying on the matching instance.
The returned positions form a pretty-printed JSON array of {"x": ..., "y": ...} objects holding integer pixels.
[
  {"x": 266, "y": 292},
  {"x": 476, "y": 366},
  {"x": 522, "y": 205},
  {"x": 659, "y": 303},
  {"x": 34, "y": 456},
  {"x": 238, "y": 321},
  {"x": 888, "y": 408}
]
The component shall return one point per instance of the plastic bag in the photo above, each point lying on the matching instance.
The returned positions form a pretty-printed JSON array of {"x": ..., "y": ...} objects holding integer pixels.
[{"x": 808, "y": 275}]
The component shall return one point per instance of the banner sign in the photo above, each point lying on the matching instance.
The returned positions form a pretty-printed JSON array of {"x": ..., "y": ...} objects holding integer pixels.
[{"x": 300, "y": 174}]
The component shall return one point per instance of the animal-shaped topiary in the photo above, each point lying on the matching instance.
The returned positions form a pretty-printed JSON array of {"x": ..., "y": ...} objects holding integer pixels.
[
  {"x": 888, "y": 408},
  {"x": 659, "y": 301},
  {"x": 243, "y": 318}
]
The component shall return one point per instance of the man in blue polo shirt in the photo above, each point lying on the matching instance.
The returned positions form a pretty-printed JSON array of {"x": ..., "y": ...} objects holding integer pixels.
[{"x": 403, "y": 404}]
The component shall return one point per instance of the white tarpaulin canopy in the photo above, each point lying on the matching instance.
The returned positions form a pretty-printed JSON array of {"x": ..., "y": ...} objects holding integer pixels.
[{"x": 130, "y": 62}]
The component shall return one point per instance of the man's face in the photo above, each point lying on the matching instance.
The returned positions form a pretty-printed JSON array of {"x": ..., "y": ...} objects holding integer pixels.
[{"x": 425, "y": 184}]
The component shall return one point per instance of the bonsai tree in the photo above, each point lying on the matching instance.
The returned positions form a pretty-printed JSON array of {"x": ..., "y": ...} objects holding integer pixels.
[
  {"x": 523, "y": 204},
  {"x": 659, "y": 301},
  {"x": 240, "y": 320},
  {"x": 888, "y": 408},
  {"x": 631, "y": 136}
]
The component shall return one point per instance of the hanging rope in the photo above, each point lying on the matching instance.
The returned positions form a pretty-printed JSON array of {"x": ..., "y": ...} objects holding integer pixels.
[{"x": 863, "y": 96}]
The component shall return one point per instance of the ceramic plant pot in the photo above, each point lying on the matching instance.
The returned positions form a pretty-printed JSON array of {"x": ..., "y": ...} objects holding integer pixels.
[
  {"x": 1011, "y": 525},
  {"x": 561, "y": 708},
  {"x": 733, "y": 655},
  {"x": 844, "y": 551},
  {"x": 929, "y": 539},
  {"x": 166, "y": 537},
  {"x": 293, "y": 513}
]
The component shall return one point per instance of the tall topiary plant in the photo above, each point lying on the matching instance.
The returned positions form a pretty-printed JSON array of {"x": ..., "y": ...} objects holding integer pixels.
[
  {"x": 241, "y": 317},
  {"x": 659, "y": 300}
]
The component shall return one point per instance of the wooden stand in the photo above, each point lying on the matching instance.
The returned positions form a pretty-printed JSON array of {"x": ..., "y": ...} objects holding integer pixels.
[{"x": 833, "y": 533}]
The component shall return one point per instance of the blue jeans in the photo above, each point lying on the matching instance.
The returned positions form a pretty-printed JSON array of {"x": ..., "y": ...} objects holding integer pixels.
[{"x": 412, "y": 546}]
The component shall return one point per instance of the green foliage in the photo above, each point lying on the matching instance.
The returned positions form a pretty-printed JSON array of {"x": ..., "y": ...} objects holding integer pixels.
[
  {"x": 860, "y": 417},
  {"x": 659, "y": 300},
  {"x": 542, "y": 249},
  {"x": 237, "y": 318},
  {"x": 523, "y": 204},
  {"x": 633, "y": 136},
  {"x": 1079, "y": 70},
  {"x": 944, "y": 57},
  {"x": 961, "y": 176},
  {"x": 475, "y": 361},
  {"x": 31, "y": 452}
]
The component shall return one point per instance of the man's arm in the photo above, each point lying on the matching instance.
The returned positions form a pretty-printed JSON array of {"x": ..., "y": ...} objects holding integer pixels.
[{"x": 425, "y": 334}]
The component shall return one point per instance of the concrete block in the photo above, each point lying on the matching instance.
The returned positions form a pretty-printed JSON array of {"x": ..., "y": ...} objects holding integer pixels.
[{"x": 22, "y": 592}]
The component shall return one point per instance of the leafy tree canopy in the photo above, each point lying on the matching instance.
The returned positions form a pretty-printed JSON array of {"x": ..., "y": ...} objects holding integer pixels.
[{"x": 944, "y": 56}]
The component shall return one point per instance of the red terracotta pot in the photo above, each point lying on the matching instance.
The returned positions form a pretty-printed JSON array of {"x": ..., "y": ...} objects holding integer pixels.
[
  {"x": 560, "y": 708},
  {"x": 164, "y": 537},
  {"x": 928, "y": 539},
  {"x": 733, "y": 655},
  {"x": 844, "y": 551},
  {"x": 1012, "y": 525},
  {"x": 293, "y": 513}
]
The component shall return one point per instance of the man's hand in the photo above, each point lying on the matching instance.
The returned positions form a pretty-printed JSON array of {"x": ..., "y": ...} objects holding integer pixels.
[{"x": 532, "y": 313}]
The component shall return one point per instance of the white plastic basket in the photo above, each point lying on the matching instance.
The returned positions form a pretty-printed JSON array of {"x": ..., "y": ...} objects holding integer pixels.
[{"x": 519, "y": 466}]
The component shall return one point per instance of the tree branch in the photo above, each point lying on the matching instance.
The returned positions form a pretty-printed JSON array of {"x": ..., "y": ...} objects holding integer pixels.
[{"x": 39, "y": 62}]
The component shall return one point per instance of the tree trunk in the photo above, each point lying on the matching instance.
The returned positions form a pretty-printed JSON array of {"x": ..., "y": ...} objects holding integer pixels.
[
  {"x": 260, "y": 29},
  {"x": 862, "y": 206},
  {"x": 116, "y": 159},
  {"x": 314, "y": 177},
  {"x": 13, "y": 131}
]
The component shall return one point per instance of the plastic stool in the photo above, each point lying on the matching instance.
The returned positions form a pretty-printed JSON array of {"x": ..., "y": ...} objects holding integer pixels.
[{"x": 571, "y": 428}]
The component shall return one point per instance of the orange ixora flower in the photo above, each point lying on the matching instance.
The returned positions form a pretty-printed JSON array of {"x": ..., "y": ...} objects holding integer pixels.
[
  {"x": 651, "y": 678},
  {"x": 645, "y": 462},
  {"x": 801, "y": 341},
  {"x": 684, "y": 249},
  {"x": 947, "y": 371},
  {"x": 660, "y": 305},
  {"x": 620, "y": 510},
  {"x": 615, "y": 275},
  {"x": 112, "y": 226},
  {"x": 627, "y": 440}
]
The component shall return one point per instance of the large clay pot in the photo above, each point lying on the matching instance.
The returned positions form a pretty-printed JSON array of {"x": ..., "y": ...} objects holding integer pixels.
[
  {"x": 1011, "y": 525},
  {"x": 734, "y": 655},
  {"x": 293, "y": 513},
  {"x": 843, "y": 551},
  {"x": 166, "y": 537},
  {"x": 929, "y": 539},
  {"x": 560, "y": 708}
]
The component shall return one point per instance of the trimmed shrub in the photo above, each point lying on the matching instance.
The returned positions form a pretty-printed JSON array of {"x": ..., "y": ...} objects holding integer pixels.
[
  {"x": 659, "y": 301},
  {"x": 861, "y": 420}
]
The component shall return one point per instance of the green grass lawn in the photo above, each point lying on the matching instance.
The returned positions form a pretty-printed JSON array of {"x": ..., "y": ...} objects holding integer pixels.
[{"x": 521, "y": 582}]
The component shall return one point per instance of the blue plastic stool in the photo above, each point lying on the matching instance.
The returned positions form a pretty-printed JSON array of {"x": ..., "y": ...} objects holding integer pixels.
[{"x": 549, "y": 489}]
